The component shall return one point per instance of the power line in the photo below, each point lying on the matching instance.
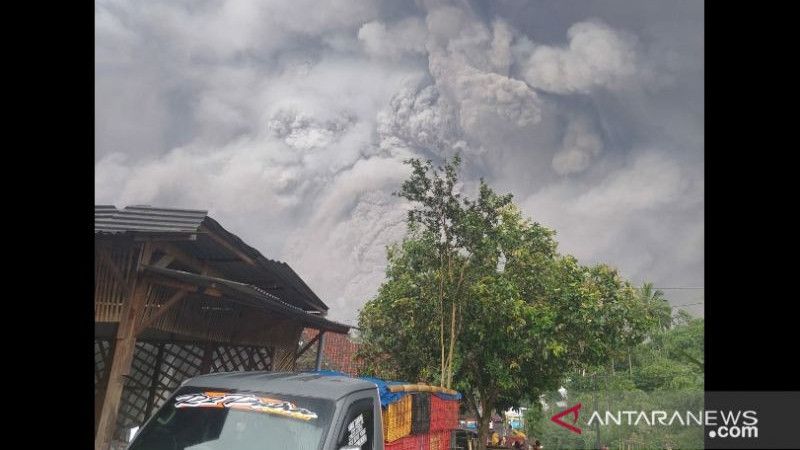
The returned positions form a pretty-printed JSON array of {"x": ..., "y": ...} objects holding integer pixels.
[
  {"x": 663, "y": 288},
  {"x": 687, "y": 304}
]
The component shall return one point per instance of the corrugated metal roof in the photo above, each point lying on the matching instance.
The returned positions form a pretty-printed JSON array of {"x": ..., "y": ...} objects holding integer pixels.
[
  {"x": 109, "y": 219},
  {"x": 279, "y": 268},
  {"x": 251, "y": 295},
  {"x": 267, "y": 273}
]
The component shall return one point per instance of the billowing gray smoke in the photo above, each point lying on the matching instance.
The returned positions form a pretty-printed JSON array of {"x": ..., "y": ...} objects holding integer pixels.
[{"x": 289, "y": 121}]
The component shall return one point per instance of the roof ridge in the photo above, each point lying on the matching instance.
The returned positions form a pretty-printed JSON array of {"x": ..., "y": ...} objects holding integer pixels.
[
  {"x": 255, "y": 292},
  {"x": 147, "y": 219}
]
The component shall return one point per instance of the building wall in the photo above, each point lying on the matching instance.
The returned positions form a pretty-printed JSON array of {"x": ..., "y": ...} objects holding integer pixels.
[{"x": 339, "y": 353}]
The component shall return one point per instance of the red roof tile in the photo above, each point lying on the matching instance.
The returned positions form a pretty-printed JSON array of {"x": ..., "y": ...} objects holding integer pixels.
[{"x": 339, "y": 352}]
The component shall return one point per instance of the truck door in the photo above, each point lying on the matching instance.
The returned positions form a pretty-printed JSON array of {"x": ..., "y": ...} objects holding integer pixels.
[{"x": 361, "y": 427}]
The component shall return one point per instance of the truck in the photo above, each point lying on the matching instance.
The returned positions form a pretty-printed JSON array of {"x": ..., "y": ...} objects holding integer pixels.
[{"x": 268, "y": 411}]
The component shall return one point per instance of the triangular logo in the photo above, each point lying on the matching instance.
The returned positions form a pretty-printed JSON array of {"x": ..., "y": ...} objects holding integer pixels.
[{"x": 575, "y": 411}]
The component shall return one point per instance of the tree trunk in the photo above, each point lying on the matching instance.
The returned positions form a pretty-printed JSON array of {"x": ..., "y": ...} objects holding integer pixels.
[
  {"x": 441, "y": 339},
  {"x": 452, "y": 346},
  {"x": 630, "y": 364},
  {"x": 455, "y": 325},
  {"x": 483, "y": 429},
  {"x": 443, "y": 372},
  {"x": 487, "y": 406}
]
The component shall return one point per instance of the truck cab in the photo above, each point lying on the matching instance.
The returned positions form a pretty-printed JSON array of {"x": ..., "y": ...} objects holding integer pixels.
[{"x": 267, "y": 411}]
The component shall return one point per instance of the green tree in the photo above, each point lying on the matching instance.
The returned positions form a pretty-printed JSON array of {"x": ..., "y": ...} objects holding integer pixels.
[
  {"x": 666, "y": 373},
  {"x": 477, "y": 297},
  {"x": 660, "y": 314},
  {"x": 657, "y": 304}
]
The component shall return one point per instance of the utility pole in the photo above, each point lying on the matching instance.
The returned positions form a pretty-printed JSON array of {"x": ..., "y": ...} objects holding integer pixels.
[
  {"x": 597, "y": 423},
  {"x": 320, "y": 350}
]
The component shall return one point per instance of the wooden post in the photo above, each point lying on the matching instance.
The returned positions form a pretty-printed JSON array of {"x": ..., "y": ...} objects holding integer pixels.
[
  {"x": 122, "y": 357},
  {"x": 102, "y": 385},
  {"x": 151, "y": 397},
  {"x": 250, "y": 358},
  {"x": 208, "y": 355},
  {"x": 271, "y": 352},
  {"x": 320, "y": 350}
]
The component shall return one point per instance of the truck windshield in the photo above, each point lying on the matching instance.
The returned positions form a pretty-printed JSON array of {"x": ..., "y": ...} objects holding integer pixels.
[{"x": 213, "y": 419}]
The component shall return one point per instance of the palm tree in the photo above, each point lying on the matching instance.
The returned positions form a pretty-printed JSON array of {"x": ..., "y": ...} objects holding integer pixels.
[{"x": 657, "y": 305}]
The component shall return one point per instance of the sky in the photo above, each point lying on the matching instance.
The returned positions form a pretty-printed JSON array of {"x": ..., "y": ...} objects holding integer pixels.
[{"x": 289, "y": 121}]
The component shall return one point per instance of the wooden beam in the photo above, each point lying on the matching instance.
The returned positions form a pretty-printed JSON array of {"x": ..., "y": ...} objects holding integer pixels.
[
  {"x": 164, "y": 261},
  {"x": 307, "y": 346},
  {"x": 199, "y": 265},
  {"x": 166, "y": 282},
  {"x": 144, "y": 256},
  {"x": 230, "y": 247},
  {"x": 165, "y": 237},
  {"x": 120, "y": 365},
  {"x": 214, "y": 292},
  {"x": 163, "y": 281},
  {"x": 163, "y": 308}
]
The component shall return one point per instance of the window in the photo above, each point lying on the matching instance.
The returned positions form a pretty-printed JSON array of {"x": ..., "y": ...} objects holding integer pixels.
[
  {"x": 358, "y": 430},
  {"x": 213, "y": 419}
]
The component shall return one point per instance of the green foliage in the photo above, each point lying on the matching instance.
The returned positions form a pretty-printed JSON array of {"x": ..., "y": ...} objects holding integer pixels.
[
  {"x": 668, "y": 360},
  {"x": 625, "y": 435},
  {"x": 665, "y": 372},
  {"x": 657, "y": 305},
  {"x": 479, "y": 295},
  {"x": 396, "y": 332}
]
